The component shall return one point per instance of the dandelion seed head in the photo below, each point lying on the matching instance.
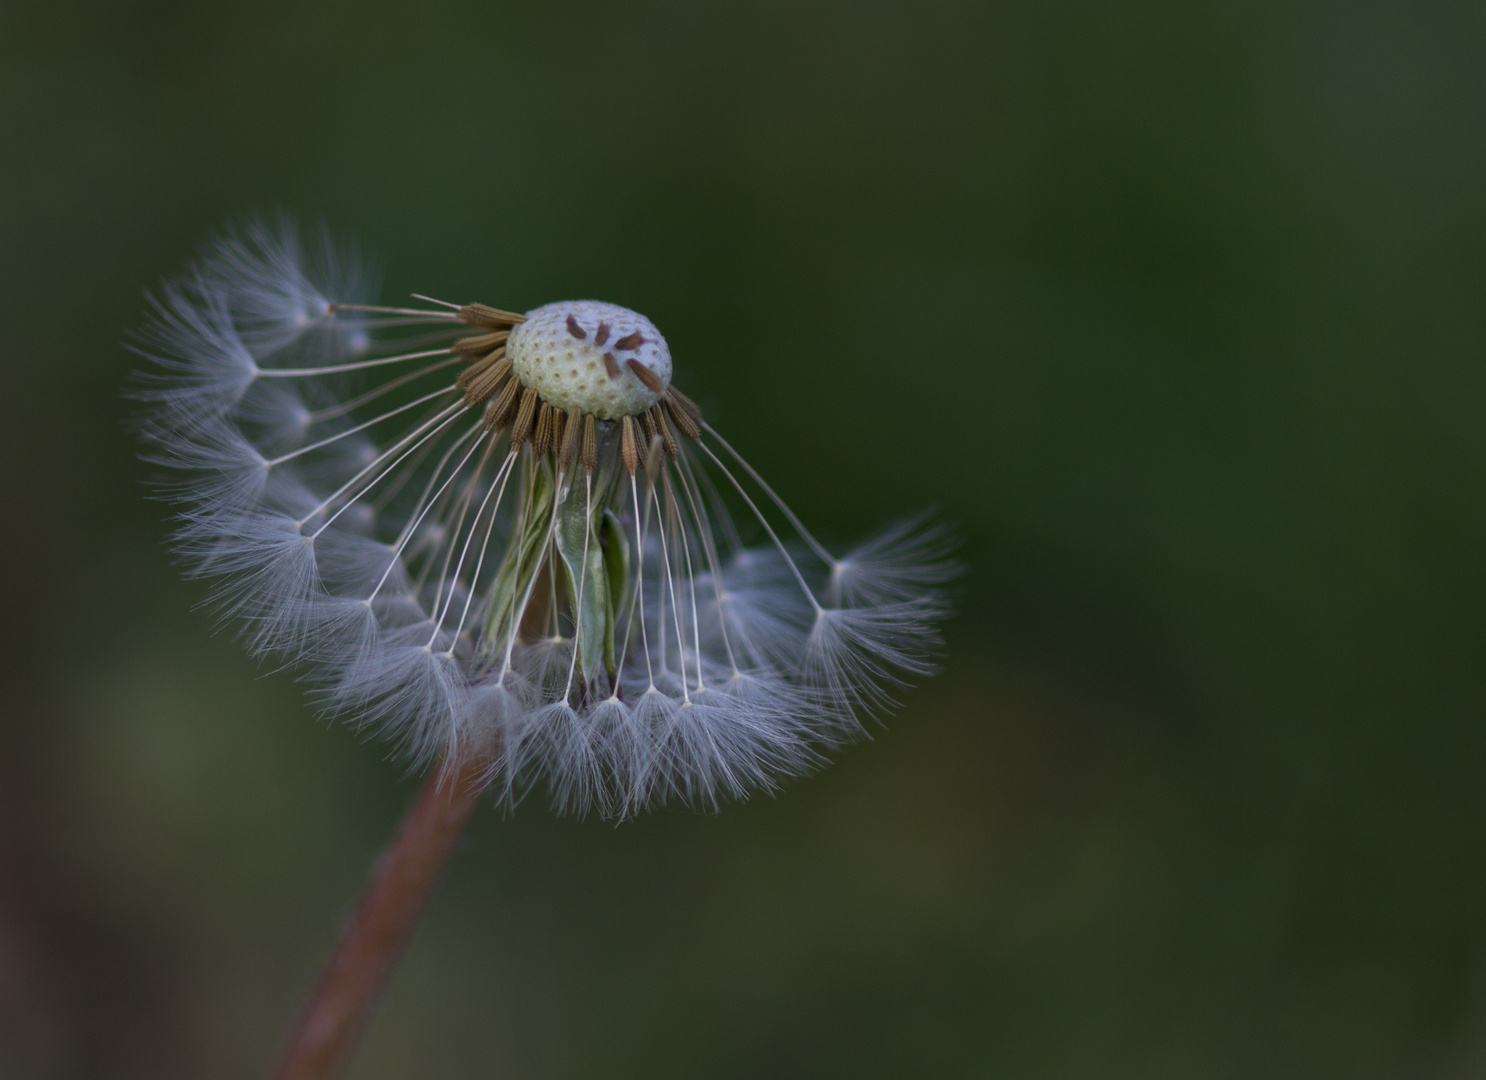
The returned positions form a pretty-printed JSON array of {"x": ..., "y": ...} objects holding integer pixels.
[
  {"x": 512, "y": 535},
  {"x": 578, "y": 354}
]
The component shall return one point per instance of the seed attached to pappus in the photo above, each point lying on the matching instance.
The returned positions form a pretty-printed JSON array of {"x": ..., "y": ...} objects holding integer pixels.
[{"x": 511, "y": 535}]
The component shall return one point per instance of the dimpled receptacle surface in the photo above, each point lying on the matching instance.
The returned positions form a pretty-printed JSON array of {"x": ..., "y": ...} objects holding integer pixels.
[{"x": 560, "y": 353}]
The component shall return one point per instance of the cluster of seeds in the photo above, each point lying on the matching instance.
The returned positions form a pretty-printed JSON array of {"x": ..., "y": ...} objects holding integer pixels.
[
  {"x": 552, "y": 393},
  {"x": 452, "y": 578}
]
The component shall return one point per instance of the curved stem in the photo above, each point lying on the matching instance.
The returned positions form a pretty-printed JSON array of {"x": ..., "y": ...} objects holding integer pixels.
[{"x": 403, "y": 881}]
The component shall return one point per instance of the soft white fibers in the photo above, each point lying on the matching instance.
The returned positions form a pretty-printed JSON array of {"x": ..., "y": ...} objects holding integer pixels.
[{"x": 600, "y": 629}]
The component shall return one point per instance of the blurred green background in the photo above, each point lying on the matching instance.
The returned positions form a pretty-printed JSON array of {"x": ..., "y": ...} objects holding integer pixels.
[{"x": 1174, "y": 310}]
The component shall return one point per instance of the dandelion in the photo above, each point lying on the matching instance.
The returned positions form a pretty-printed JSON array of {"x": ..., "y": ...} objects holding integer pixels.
[{"x": 509, "y": 541}]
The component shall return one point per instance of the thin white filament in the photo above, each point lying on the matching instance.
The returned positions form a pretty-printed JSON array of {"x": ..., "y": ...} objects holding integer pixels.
[
  {"x": 408, "y": 471},
  {"x": 691, "y": 581},
  {"x": 372, "y": 395},
  {"x": 439, "y": 420},
  {"x": 704, "y": 530},
  {"x": 502, "y": 474},
  {"x": 767, "y": 528},
  {"x": 665, "y": 559},
  {"x": 640, "y": 579},
  {"x": 433, "y": 300},
  {"x": 412, "y": 527},
  {"x": 384, "y": 324},
  {"x": 376, "y": 310},
  {"x": 706, "y": 489},
  {"x": 358, "y": 365},
  {"x": 815, "y": 546},
  {"x": 442, "y": 600},
  {"x": 359, "y": 427},
  {"x": 416, "y": 515},
  {"x": 469, "y": 594},
  {"x": 635, "y": 597}
]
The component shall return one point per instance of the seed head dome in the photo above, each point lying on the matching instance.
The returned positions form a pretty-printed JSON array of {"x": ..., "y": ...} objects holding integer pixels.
[{"x": 600, "y": 358}]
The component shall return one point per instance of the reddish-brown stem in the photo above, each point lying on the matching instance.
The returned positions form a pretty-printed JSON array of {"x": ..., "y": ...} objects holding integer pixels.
[{"x": 403, "y": 881}]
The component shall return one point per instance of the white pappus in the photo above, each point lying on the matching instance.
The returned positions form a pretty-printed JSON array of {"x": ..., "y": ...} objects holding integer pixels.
[{"x": 511, "y": 535}]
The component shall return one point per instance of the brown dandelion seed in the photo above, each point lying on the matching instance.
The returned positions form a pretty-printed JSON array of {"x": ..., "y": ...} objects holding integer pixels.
[
  {"x": 645, "y": 375},
  {"x": 628, "y": 450},
  {"x": 480, "y": 343},
  {"x": 667, "y": 439},
  {"x": 499, "y": 411},
  {"x": 482, "y": 379},
  {"x": 521, "y": 426},
  {"x": 655, "y": 457},
  {"x": 686, "y": 405},
  {"x": 680, "y": 416},
  {"x": 541, "y": 440},
  {"x": 572, "y": 432},
  {"x": 590, "y": 453},
  {"x": 488, "y": 318}
]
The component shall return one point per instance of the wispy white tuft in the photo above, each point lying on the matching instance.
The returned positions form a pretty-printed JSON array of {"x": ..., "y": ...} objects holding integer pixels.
[{"x": 357, "y": 519}]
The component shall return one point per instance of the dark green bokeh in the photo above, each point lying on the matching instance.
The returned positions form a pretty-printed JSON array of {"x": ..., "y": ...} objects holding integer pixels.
[{"x": 1176, "y": 311}]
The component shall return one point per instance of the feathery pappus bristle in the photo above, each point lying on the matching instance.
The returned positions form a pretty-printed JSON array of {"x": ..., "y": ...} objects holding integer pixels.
[{"x": 511, "y": 535}]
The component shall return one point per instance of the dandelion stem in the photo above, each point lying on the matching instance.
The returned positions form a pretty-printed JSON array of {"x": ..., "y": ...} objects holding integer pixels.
[{"x": 402, "y": 883}]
